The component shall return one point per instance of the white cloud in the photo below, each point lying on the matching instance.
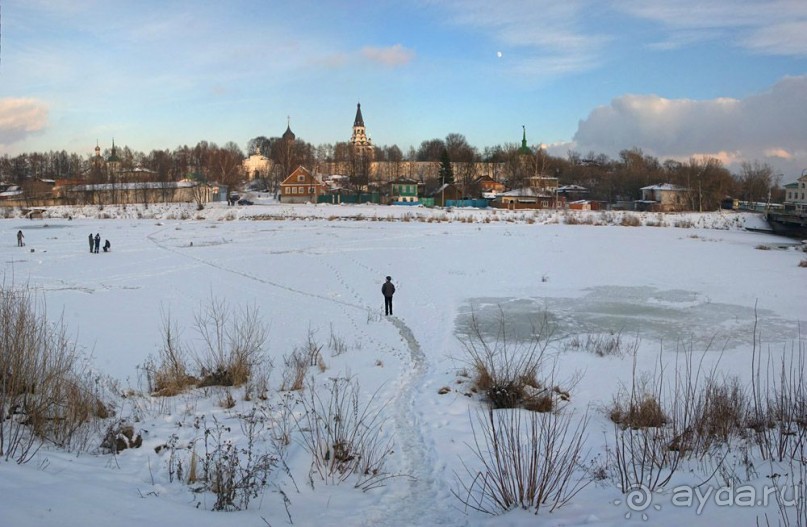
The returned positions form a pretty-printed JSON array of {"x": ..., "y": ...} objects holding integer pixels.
[
  {"x": 392, "y": 56},
  {"x": 778, "y": 152},
  {"x": 768, "y": 126},
  {"x": 20, "y": 118},
  {"x": 774, "y": 27},
  {"x": 785, "y": 38}
]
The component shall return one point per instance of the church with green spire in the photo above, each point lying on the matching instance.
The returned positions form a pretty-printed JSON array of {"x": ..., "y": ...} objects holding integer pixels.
[{"x": 525, "y": 150}]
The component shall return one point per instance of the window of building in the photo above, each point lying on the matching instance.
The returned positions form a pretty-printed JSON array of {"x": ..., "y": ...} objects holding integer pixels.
[{"x": 310, "y": 190}]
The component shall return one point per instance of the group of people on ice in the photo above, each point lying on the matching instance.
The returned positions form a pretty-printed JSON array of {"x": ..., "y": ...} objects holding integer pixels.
[{"x": 95, "y": 244}]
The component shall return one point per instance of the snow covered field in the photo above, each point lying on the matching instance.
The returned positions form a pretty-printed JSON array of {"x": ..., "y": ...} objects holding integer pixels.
[{"x": 696, "y": 282}]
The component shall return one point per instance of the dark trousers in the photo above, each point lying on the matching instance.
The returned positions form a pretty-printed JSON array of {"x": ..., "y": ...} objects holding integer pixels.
[{"x": 387, "y": 305}]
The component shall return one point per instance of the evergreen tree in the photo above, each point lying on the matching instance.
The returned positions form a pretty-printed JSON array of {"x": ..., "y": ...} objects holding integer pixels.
[{"x": 446, "y": 172}]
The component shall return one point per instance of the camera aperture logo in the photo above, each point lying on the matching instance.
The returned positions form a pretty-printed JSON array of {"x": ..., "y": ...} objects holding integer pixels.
[{"x": 639, "y": 498}]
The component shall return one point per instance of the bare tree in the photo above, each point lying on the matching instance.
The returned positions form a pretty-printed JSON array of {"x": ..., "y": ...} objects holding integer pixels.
[
  {"x": 431, "y": 150},
  {"x": 707, "y": 181},
  {"x": 756, "y": 181},
  {"x": 464, "y": 158},
  {"x": 225, "y": 164}
]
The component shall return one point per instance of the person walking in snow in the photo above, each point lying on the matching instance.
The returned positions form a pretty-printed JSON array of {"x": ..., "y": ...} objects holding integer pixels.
[
  {"x": 92, "y": 243},
  {"x": 388, "y": 289},
  {"x": 97, "y": 242},
  {"x": 20, "y": 239}
]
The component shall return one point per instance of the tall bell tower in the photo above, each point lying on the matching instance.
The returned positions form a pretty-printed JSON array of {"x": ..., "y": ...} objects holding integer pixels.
[{"x": 359, "y": 140}]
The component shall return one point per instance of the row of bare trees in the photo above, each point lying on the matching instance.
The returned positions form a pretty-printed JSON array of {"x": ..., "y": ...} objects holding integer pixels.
[
  {"x": 606, "y": 179},
  {"x": 205, "y": 161}
]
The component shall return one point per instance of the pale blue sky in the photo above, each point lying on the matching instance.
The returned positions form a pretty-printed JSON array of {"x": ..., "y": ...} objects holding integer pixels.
[{"x": 673, "y": 77}]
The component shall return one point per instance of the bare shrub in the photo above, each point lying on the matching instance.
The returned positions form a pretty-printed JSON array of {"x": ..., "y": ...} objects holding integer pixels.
[
  {"x": 501, "y": 369},
  {"x": 779, "y": 407},
  {"x": 336, "y": 344},
  {"x": 281, "y": 421},
  {"x": 604, "y": 344},
  {"x": 46, "y": 393},
  {"x": 660, "y": 421},
  {"x": 232, "y": 340},
  {"x": 169, "y": 376},
  {"x": 119, "y": 436},
  {"x": 312, "y": 349},
  {"x": 227, "y": 400},
  {"x": 642, "y": 457},
  {"x": 639, "y": 411},
  {"x": 296, "y": 364},
  {"x": 294, "y": 371},
  {"x": 543, "y": 401},
  {"x": 789, "y": 482},
  {"x": 723, "y": 411},
  {"x": 629, "y": 220},
  {"x": 258, "y": 384},
  {"x": 343, "y": 435},
  {"x": 803, "y": 263},
  {"x": 235, "y": 473},
  {"x": 524, "y": 459},
  {"x": 640, "y": 453},
  {"x": 572, "y": 218},
  {"x": 763, "y": 247}
]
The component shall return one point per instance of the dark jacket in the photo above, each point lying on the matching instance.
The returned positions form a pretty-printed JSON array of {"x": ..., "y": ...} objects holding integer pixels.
[{"x": 388, "y": 289}]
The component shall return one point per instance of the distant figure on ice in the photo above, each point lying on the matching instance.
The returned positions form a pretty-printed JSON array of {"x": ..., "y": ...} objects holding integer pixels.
[
  {"x": 388, "y": 289},
  {"x": 97, "y": 242},
  {"x": 20, "y": 239},
  {"x": 92, "y": 243},
  {"x": 107, "y": 246}
]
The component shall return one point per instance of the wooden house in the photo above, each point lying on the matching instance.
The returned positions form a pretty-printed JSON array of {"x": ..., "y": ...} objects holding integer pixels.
[
  {"x": 489, "y": 187},
  {"x": 663, "y": 198},
  {"x": 445, "y": 193},
  {"x": 404, "y": 191},
  {"x": 301, "y": 187},
  {"x": 525, "y": 198}
]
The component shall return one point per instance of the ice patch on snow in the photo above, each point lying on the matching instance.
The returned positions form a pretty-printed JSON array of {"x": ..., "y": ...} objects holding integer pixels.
[{"x": 647, "y": 313}]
